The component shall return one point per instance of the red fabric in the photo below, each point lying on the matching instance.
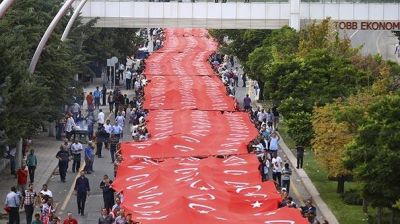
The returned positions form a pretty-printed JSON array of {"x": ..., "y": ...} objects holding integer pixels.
[
  {"x": 22, "y": 176},
  {"x": 187, "y": 92},
  {"x": 208, "y": 133},
  {"x": 181, "y": 188},
  {"x": 197, "y": 190}
]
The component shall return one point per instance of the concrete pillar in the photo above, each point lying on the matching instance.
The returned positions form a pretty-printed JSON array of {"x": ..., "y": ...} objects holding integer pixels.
[{"x": 294, "y": 20}]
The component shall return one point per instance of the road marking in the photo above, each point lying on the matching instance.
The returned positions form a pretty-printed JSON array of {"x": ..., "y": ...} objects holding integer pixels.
[
  {"x": 71, "y": 190},
  {"x": 352, "y": 35},
  {"x": 377, "y": 41}
]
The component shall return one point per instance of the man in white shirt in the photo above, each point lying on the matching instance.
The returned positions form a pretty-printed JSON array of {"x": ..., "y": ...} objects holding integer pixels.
[
  {"x": 69, "y": 126},
  {"x": 101, "y": 117},
  {"x": 277, "y": 169},
  {"x": 128, "y": 79},
  {"x": 46, "y": 191},
  {"x": 76, "y": 151}
]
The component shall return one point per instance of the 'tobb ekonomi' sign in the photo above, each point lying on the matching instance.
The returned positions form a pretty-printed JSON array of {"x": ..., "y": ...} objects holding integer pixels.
[{"x": 368, "y": 25}]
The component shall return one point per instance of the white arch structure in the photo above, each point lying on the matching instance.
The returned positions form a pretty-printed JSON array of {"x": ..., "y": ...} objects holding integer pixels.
[
  {"x": 4, "y": 5},
  {"x": 47, "y": 35}
]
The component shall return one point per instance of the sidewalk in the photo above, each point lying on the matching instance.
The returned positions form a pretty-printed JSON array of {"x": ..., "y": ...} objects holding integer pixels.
[
  {"x": 46, "y": 149},
  {"x": 299, "y": 177}
]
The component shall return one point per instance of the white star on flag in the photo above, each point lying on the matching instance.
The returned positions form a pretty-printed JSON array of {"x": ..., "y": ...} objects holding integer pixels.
[{"x": 256, "y": 204}]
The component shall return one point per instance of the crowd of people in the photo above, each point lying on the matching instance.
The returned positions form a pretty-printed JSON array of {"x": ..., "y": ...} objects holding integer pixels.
[
  {"x": 87, "y": 132},
  {"x": 106, "y": 132},
  {"x": 266, "y": 145}
]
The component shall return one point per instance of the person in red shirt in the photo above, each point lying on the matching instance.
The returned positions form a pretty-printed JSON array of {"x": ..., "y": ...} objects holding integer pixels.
[
  {"x": 22, "y": 178},
  {"x": 70, "y": 219},
  {"x": 89, "y": 100}
]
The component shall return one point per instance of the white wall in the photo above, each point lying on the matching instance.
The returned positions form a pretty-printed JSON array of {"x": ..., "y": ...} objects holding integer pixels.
[{"x": 232, "y": 14}]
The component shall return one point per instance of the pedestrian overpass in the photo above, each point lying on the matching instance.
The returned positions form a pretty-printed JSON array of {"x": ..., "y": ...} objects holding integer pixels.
[{"x": 269, "y": 14}]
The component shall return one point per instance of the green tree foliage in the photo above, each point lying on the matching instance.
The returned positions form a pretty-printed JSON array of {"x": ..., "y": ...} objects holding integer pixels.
[
  {"x": 374, "y": 154},
  {"x": 29, "y": 100},
  {"x": 279, "y": 44}
]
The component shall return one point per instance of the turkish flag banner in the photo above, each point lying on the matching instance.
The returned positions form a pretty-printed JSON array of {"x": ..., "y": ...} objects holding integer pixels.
[
  {"x": 179, "y": 64},
  {"x": 208, "y": 133},
  {"x": 217, "y": 190},
  {"x": 178, "y": 175},
  {"x": 187, "y": 92},
  {"x": 236, "y": 126}
]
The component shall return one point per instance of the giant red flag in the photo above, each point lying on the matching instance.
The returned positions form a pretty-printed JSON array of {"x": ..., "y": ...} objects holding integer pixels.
[
  {"x": 187, "y": 189},
  {"x": 187, "y": 92}
]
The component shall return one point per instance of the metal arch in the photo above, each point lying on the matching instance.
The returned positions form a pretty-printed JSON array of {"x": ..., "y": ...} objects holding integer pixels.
[
  {"x": 72, "y": 20},
  {"x": 4, "y": 7},
  {"x": 47, "y": 35}
]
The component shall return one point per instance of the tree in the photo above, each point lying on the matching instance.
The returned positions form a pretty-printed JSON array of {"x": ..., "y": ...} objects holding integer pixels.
[
  {"x": 374, "y": 154},
  {"x": 284, "y": 39},
  {"x": 329, "y": 142}
]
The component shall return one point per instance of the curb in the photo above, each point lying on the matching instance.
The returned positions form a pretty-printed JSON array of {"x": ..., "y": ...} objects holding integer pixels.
[
  {"x": 325, "y": 211},
  {"x": 309, "y": 186}
]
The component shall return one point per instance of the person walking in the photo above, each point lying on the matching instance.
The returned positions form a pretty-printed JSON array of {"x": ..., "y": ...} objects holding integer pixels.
[
  {"x": 101, "y": 136},
  {"x": 97, "y": 96},
  {"x": 31, "y": 162},
  {"x": 104, "y": 94},
  {"x": 69, "y": 126},
  {"x": 101, "y": 118},
  {"x": 63, "y": 159},
  {"x": 299, "y": 156},
  {"x": 108, "y": 192},
  {"x": 89, "y": 100},
  {"x": 286, "y": 173},
  {"x": 12, "y": 205},
  {"x": 114, "y": 140},
  {"x": 76, "y": 151},
  {"x": 89, "y": 158},
  {"x": 244, "y": 79},
  {"x": 28, "y": 202},
  {"x": 111, "y": 101},
  {"x": 82, "y": 190},
  {"x": 22, "y": 178},
  {"x": 11, "y": 153}
]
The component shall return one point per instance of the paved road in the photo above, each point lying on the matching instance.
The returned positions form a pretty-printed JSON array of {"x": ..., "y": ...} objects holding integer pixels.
[{"x": 375, "y": 42}]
